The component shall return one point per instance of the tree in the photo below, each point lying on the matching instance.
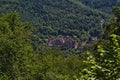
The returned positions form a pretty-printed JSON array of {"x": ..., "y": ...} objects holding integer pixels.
[
  {"x": 113, "y": 26},
  {"x": 105, "y": 63},
  {"x": 105, "y": 59},
  {"x": 16, "y": 52}
]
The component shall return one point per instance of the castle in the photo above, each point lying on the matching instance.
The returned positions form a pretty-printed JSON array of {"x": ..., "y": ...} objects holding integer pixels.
[{"x": 63, "y": 43}]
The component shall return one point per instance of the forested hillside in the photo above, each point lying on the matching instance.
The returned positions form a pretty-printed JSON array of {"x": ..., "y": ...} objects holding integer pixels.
[
  {"x": 59, "y": 40},
  {"x": 102, "y": 5},
  {"x": 77, "y": 18},
  {"x": 20, "y": 61}
]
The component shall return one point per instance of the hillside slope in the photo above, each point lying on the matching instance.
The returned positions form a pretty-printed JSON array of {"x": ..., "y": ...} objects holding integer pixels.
[
  {"x": 58, "y": 17},
  {"x": 102, "y": 5}
]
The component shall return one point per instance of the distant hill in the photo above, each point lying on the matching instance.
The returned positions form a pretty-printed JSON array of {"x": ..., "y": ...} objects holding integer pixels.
[
  {"x": 102, "y": 5},
  {"x": 77, "y": 18}
]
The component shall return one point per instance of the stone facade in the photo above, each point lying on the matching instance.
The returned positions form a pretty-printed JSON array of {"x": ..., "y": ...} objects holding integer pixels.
[{"x": 63, "y": 43}]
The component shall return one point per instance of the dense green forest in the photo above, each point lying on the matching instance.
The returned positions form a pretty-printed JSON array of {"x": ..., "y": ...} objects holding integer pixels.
[
  {"x": 77, "y": 18},
  {"x": 24, "y": 24},
  {"x": 102, "y": 5}
]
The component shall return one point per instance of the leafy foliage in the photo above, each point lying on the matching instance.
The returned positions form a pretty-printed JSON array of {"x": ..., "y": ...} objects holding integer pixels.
[
  {"x": 113, "y": 26},
  {"x": 15, "y": 48},
  {"x": 105, "y": 61},
  {"x": 60, "y": 17},
  {"x": 19, "y": 61}
]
